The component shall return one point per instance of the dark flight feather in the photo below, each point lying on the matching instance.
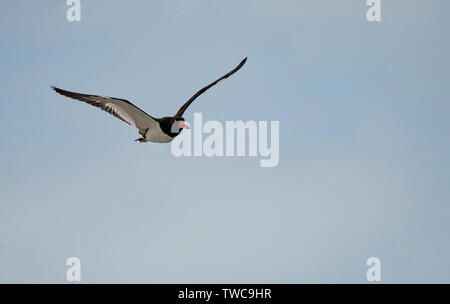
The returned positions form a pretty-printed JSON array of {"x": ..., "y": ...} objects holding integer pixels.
[{"x": 201, "y": 91}]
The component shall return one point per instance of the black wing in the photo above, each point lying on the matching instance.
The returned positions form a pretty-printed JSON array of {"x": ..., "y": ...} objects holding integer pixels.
[
  {"x": 120, "y": 108},
  {"x": 201, "y": 91}
]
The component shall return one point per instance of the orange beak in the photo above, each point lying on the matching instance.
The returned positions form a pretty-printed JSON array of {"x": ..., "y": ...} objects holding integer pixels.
[{"x": 181, "y": 124}]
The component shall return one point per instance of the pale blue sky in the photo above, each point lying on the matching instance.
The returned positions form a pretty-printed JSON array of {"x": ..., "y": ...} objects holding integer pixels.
[{"x": 364, "y": 152}]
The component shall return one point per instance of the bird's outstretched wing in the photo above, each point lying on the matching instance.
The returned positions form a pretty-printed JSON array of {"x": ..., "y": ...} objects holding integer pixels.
[
  {"x": 120, "y": 108},
  {"x": 201, "y": 91}
]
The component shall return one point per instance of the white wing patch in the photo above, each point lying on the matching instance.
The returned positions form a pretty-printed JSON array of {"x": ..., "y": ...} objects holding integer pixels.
[{"x": 119, "y": 111}]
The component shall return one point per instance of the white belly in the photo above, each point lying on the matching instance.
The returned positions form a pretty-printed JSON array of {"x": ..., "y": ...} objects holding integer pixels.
[{"x": 156, "y": 135}]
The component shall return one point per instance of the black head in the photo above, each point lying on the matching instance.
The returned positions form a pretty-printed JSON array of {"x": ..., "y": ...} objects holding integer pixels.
[{"x": 172, "y": 126}]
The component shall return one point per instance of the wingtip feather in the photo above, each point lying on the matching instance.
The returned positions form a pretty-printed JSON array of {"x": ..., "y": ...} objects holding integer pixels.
[{"x": 55, "y": 88}]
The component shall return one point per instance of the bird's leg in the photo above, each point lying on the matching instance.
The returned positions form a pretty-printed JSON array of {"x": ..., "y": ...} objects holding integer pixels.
[{"x": 144, "y": 136}]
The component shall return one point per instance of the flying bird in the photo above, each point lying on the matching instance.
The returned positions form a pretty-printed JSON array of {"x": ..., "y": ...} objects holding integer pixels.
[{"x": 158, "y": 130}]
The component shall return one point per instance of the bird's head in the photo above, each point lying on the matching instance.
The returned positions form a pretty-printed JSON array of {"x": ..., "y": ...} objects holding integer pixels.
[
  {"x": 178, "y": 124},
  {"x": 173, "y": 125}
]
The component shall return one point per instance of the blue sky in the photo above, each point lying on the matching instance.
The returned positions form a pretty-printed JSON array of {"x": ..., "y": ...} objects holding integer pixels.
[{"x": 364, "y": 151}]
